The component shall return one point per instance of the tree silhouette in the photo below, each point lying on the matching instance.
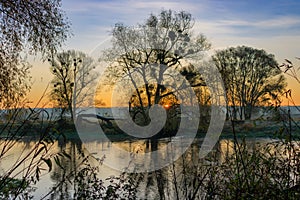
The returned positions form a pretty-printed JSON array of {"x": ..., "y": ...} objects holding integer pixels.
[
  {"x": 73, "y": 76},
  {"x": 251, "y": 78},
  {"x": 34, "y": 26},
  {"x": 155, "y": 50}
]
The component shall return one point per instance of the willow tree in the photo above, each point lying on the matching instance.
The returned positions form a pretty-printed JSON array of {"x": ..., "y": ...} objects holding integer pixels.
[
  {"x": 151, "y": 49},
  {"x": 26, "y": 27},
  {"x": 251, "y": 78}
]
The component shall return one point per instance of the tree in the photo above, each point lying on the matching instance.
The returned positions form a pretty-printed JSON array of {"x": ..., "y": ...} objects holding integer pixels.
[
  {"x": 73, "y": 76},
  {"x": 26, "y": 27},
  {"x": 155, "y": 51},
  {"x": 251, "y": 78},
  {"x": 14, "y": 83},
  {"x": 35, "y": 26}
]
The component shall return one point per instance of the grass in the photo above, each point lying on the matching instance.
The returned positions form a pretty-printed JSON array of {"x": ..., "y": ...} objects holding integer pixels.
[
  {"x": 249, "y": 129},
  {"x": 244, "y": 173}
]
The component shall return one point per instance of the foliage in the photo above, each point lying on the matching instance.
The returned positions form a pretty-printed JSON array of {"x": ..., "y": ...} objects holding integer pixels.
[
  {"x": 259, "y": 173},
  {"x": 25, "y": 27},
  {"x": 234, "y": 170},
  {"x": 39, "y": 26},
  {"x": 290, "y": 69},
  {"x": 89, "y": 186},
  {"x": 251, "y": 78},
  {"x": 156, "y": 51},
  {"x": 81, "y": 173},
  {"x": 14, "y": 186},
  {"x": 15, "y": 83},
  {"x": 33, "y": 160},
  {"x": 73, "y": 77}
]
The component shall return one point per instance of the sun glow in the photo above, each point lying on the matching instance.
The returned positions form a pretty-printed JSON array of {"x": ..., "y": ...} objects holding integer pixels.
[{"x": 166, "y": 106}]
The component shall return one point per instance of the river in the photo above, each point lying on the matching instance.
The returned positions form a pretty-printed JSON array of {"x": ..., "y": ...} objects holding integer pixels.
[{"x": 96, "y": 151}]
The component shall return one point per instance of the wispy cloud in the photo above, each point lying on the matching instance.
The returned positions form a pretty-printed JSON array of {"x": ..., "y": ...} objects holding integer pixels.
[
  {"x": 276, "y": 22},
  {"x": 270, "y": 25},
  {"x": 279, "y": 22},
  {"x": 128, "y": 5},
  {"x": 264, "y": 28},
  {"x": 224, "y": 22}
]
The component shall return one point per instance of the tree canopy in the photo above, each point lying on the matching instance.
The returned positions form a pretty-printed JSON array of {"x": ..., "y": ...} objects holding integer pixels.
[
  {"x": 39, "y": 25},
  {"x": 73, "y": 77},
  {"x": 148, "y": 56},
  {"x": 31, "y": 26},
  {"x": 162, "y": 42},
  {"x": 251, "y": 78}
]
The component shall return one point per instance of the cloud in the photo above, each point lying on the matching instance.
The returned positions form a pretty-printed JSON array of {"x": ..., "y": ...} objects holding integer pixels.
[
  {"x": 224, "y": 23},
  {"x": 276, "y": 22},
  {"x": 264, "y": 28},
  {"x": 126, "y": 7},
  {"x": 281, "y": 46}
]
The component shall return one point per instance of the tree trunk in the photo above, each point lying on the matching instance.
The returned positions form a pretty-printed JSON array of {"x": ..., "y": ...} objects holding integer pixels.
[
  {"x": 248, "y": 111},
  {"x": 158, "y": 173}
]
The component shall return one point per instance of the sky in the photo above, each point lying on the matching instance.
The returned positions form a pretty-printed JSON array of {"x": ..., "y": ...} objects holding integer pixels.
[{"x": 270, "y": 25}]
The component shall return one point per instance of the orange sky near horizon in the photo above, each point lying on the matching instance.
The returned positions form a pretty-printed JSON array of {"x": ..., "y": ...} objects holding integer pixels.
[
  {"x": 273, "y": 26},
  {"x": 42, "y": 78}
]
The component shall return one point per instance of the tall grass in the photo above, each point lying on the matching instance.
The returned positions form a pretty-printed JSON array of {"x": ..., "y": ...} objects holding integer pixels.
[{"x": 19, "y": 124}]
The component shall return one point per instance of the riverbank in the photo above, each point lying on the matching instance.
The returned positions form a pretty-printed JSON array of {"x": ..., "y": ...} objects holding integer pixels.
[{"x": 67, "y": 131}]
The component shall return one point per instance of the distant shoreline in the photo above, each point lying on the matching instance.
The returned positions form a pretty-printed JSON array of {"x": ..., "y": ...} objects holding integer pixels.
[{"x": 249, "y": 129}]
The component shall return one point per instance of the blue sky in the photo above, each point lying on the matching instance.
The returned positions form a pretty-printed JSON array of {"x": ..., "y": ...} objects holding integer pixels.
[{"x": 273, "y": 25}]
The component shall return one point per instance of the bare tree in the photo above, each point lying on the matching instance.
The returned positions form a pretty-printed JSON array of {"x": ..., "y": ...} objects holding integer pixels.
[
  {"x": 154, "y": 50},
  {"x": 251, "y": 78},
  {"x": 73, "y": 76}
]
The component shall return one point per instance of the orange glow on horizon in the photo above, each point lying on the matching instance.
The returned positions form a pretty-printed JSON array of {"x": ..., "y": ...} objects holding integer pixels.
[
  {"x": 166, "y": 106},
  {"x": 42, "y": 78},
  {"x": 35, "y": 95}
]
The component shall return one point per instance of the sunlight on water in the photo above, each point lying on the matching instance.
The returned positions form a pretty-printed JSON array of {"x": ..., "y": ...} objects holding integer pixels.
[{"x": 224, "y": 148}]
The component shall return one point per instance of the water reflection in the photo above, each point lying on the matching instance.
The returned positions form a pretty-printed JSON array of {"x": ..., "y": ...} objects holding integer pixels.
[{"x": 183, "y": 172}]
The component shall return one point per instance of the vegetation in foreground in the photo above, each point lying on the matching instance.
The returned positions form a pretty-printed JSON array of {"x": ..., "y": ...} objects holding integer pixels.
[{"x": 270, "y": 171}]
